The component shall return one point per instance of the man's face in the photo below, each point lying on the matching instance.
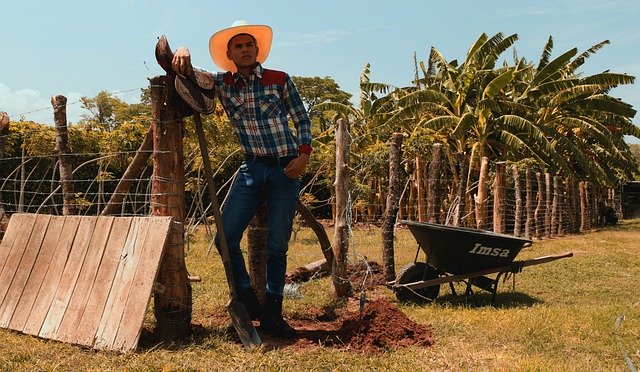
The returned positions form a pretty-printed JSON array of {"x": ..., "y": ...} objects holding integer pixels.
[{"x": 242, "y": 50}]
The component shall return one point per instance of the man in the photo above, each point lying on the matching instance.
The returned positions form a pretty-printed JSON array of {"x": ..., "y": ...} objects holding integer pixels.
[{"x": 258, "y": 103}]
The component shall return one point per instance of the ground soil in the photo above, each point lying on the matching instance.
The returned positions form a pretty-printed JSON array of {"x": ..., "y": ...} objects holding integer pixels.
[{"x": 369, "y": 323}]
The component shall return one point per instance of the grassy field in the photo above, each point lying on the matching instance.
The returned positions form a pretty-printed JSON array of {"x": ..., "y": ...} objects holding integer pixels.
[{"x": 576, "y": 314}]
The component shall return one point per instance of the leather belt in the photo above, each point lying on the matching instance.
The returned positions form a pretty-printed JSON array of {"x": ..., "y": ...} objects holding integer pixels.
[{"x": 271, "y": 161}]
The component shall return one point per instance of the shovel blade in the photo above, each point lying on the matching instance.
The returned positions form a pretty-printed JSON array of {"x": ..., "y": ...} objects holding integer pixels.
[{"x": 243, "y": 325}]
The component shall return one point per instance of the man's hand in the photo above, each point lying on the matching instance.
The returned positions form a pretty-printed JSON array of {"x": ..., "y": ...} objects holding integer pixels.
[
  {"x": 182, "y": 61},
  {"x": 297, "y": 166}
]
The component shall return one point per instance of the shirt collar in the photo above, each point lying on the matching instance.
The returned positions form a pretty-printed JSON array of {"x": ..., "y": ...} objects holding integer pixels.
[{"x": 257, "y": 71}]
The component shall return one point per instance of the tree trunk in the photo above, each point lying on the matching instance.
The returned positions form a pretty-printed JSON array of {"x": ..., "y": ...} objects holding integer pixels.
[
  {"x": 433, "y": 195},
  {"x": 528, "y": 227},
  {"x": 341, "y": 284},
  {"x": 461, "y": 195},
  {"x": 482, "y": 196},
  {"x": 133, "y": 171},
  {"x": 500, "y": 199},
  {"x": 389, "y": 220},
  {"x": 59, "y": 104},
  {"x": 257, "y": 234},
  {"x": 172, "y": 307},
  {"x": 517, "y": 220}
]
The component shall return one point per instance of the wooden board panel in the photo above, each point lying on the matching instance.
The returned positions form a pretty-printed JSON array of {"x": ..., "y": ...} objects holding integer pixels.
[
  {"x": 40, "y": 267},
  {"x": 85, "y": 280},
  {"x": 21, "y": 275},
  {"x": 44, "y": 298},
  {"x": 103, "y": 283}
]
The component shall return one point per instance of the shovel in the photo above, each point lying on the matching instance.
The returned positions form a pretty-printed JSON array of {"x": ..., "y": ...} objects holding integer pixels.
[{"x": 237, "y": 311}]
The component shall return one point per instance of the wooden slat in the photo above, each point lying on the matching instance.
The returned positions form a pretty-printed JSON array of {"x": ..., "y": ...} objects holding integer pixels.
[
  {"x": 15, "y": 255},
  {"x": 78, "y": 301},
  {"x": 21, "y": 275},
  {"x": 69, "y": 278},
  {"x": 103, "y": 284},
  {"x": 13, "y": 230},
  {"x": 108, "y": 327},
  {"x": 40, "y": 267},
  {"x": 55, "y": 269},
  {"x": 142, "y": 285}
]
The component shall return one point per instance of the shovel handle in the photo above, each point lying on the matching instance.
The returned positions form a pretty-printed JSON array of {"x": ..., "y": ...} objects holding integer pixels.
[{"x": 213, "y": 195}]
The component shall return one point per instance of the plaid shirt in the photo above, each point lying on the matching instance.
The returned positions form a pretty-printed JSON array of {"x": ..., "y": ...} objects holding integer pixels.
[{"x": 258, "y": 110}]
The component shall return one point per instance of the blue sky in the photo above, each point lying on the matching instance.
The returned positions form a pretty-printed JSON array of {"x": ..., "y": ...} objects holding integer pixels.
[{"x": 79, "y": 48}]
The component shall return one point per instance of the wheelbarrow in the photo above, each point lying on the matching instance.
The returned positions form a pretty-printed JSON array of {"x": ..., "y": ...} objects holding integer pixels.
[{"x": 458, "y": 254}]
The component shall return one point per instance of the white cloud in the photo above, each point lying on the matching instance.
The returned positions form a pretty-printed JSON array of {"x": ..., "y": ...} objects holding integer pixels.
[
  {"x": 29, "y": 104},
  {"x": 314, "y": 38}
]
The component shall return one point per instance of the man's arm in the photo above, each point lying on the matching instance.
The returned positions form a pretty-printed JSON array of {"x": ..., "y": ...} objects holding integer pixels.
[{"x": 298, "y": 113}]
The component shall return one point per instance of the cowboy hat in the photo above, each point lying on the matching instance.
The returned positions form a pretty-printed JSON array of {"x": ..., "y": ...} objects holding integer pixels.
[{"x": 218, "y": 43}]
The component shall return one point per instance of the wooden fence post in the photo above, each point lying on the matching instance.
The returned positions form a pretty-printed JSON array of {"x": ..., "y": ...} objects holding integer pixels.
[
  {"x": 554, "y": 207},
  {"x": 461, "y": 194},
  {"x": 341, "y": 284},
  {"x": 172, "y": 307},
  {"x": 584, "y": 217},
  {"x": 500, "y": 199},
  {"x": 482, "y": 196},
  {"x": 433, "y": 184},
  {"x": 421, "y": 197},
  {"x": 547, "y": 209},
  {"x": 528, "y": 203},
  {"x": 517, "y": 185},
  {"x": 538, "y": 214},
  {"x": 59, "y": 104},
  {"x": 391, "y": 212},
  {"x": 4, "y": 131}
]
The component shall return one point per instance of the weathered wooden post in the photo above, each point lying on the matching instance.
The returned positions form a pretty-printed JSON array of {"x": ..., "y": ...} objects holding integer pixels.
[
  {"x": 59, "y": 104},
  {"x": 538, "y": 214},
  {"x": 172, "y": 306},
  {"x": 482, "y": 196},
  {"x": 341, "y": 284},
  {"x": 500, "y": 199},
  {"x": 389, "y": 220},
  {"x": 421, "y": 197},
  {"x": 133, "y": 171},
  {"x": 528, "y": 203},
  {"x": 257, "y": 234},
  {"x": 461, "y": 194},
  {"x": 433, "y": 193},
  {"x": 554, "y": 207},
  {"x": 547, "y": 209},
  {"x": 4, "y": 131},
  {"x": 517, "y": 185},
  {"x": 584, "y": 215}
]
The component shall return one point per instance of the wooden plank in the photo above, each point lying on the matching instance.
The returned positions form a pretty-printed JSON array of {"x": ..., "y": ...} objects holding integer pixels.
[
  {"x": 103, "y": 283},
  {"x": 69, "y": 278},
  {"x": 108, "y": 327},
  {"x": 47, "y": 291},
  {"x": 142, "y": 284},
  {"x": 31, "y": 289},
  {"x": 23, "y": 271},
  {"x": 86, "y": 278},
  {"x": 15, "y": 255},
  {"x": 13, "y": 230}
]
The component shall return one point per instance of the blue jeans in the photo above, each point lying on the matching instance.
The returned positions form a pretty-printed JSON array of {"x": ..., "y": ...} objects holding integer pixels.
[{"x": 255, "y": 184}]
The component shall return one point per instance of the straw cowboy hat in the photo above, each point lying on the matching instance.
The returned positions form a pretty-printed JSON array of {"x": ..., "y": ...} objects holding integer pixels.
[{"x": 218, "y": 43}]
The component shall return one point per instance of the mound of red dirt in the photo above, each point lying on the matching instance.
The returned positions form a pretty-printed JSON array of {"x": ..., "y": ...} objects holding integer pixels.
[{"x": 379, "y": 327}]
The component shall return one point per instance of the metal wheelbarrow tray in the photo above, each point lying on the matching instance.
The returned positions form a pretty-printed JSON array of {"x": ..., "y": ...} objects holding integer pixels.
[{"x": 458, "y": 254}]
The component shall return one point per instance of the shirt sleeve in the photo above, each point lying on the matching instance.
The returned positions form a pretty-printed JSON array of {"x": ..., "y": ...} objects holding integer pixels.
[{"x": 298, "y": 113}]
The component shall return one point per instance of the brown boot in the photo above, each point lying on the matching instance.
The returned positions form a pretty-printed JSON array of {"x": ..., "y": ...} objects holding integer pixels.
[{"x": 272, "y": 322}]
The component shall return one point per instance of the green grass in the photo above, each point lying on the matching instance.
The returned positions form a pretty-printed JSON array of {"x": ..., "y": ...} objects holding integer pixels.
[{"x": 575, "y": 314}]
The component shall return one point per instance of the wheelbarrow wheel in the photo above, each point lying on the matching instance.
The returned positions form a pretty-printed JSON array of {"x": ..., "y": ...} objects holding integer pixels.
[{"x": 417, "y": 272}]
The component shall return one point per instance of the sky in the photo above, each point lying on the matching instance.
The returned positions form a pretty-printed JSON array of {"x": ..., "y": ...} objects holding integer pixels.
[{"x": 80, "y": 48}]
